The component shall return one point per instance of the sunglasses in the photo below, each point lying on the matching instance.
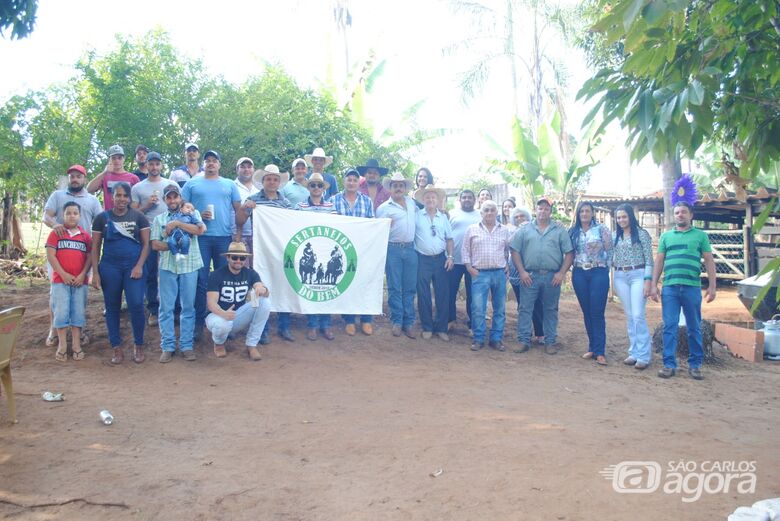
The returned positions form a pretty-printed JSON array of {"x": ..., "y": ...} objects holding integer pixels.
[
  {"x": 433, "y": 230},
  {"x": 237, "y": 258},
  {"x": 316, "y": 185}
]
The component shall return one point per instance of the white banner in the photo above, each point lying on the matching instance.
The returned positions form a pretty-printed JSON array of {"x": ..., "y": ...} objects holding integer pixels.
[{"x": 315, "y": 262}]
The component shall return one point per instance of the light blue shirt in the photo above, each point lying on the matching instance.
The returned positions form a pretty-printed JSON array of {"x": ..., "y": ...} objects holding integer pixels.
[
  {"x": 402, "y": 221},
  {"x": 294, "y": 192},
  {"x": 425, "y": 241},
  {"x": 222, "y": 193},
  {"x": 460, "y": 221}
]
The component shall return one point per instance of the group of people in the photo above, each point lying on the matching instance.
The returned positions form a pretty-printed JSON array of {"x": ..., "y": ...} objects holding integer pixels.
[{"x": 182, "y": 245}]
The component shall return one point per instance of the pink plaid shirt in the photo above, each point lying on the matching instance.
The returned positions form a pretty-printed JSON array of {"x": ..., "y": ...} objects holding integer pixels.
[{"x": 486, "y": 250}]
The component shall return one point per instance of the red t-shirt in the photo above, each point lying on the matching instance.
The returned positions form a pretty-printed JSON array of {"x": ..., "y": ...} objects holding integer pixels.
[
  {"x": 71, "y": 251},
  {"x": 112, "y": 178}
]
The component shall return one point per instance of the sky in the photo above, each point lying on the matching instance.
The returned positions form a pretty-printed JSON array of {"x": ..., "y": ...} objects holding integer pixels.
[{"x": 236, "y": 39}]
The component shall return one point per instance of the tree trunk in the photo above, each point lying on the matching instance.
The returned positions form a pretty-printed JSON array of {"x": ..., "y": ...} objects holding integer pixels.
[
  {"x": 11, "y": 244},
  {"x": 671, "y": 172}
]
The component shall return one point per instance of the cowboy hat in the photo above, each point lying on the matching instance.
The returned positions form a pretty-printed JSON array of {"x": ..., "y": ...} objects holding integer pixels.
[
  {"x": 318, "y": 152},
  {"x": 372, "y": 163},
  {"x": 237, "y": 248},
  {"x": 316, "y": 177},
  {"x": 257, "y": 177},
  {"x": 419, "y": 194},
  {"x": 396, "y": 177}
]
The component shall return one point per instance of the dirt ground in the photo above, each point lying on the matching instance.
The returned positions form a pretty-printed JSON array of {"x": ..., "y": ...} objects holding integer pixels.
[{"x": 354, "y": 429}]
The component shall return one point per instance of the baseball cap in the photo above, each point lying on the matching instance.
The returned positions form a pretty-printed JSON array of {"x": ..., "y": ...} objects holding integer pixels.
[
  {"x": 115, "y": 150},
  {"x": 299, "y": 160},
  {"x": 243, "y": 160},
  {"x": 141, "y": 147},
  {"x": 351, "y": 171},
  {"x": 191, "y": 145},
  {"x": 544, "y": 199},
  {"x": 77, "y": 168},
  {"x": 152, "y": 156},
  {"x": 171, "y": 188},
  {"x": 213, "y": 153}
]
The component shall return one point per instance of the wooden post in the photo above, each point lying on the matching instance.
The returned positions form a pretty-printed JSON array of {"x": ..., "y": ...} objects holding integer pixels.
[{"x": 747, "y": 239}]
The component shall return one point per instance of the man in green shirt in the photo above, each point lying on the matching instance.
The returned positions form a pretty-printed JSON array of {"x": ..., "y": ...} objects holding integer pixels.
[{"x": 680, "y": 251}]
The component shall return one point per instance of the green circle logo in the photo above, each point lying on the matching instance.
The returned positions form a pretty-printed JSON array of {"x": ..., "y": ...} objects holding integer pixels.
[{"x": 320, "y": 263}]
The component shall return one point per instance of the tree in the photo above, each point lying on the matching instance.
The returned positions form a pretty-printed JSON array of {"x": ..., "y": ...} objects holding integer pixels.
[
  {"x": 692, "y": 72},
  {"x": 19, "y": 15}
]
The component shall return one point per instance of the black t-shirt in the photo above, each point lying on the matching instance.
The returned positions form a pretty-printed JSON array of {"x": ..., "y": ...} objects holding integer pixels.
[
  {"x": 232, "y": 288},
  {"x": 141, "y": 175},
  {"x": 131, "y": 223}
]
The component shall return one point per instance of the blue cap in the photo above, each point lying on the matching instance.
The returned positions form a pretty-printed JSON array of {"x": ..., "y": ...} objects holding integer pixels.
[
  {"x": 212, "y": 153},
  {"x": 152, "y": 156}
]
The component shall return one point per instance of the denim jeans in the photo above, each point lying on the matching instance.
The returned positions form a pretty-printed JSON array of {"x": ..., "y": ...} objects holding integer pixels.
[
  {"x": 454, "y": 275},
  {"x": 430, "y": 271},
  {"x": 592, "y": 288},
  {"x": 364, "y": 319},
  {"x": 179, "y": 242},
  {"x": 211, "y": 250},
  {"x": 401, "y": 271},
  {"x": 538, "y": 315},
  {"x": 493, "y": 281},
  {"x": 68, "y": 304},
  {"x": 319, "y": 321},
  {"x": 629, "y": 286},
  {"x": 152, "y": 270},
  {"x": 283, "y": 321},
  {"x": 114, "y": 279},
  {"x": 246, "y": 317},
  {"x": 175, "y": 288},
  {"x": 541, "y": 284},
  {"x": 687, "y": 298}
]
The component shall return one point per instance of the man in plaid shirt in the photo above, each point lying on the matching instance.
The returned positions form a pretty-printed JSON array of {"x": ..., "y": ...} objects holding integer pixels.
[
  {"x": 177, "y": 278},
  {"x": 354, "y": 204},
  {"x": 485, "y": 250}
]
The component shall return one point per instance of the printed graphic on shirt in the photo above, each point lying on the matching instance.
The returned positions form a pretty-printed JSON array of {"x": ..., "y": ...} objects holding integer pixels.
[{"x": 320, "y": 263}]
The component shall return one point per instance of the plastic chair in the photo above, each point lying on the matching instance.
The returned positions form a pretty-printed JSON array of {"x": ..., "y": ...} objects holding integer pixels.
[{"x": 10, "y": 322}]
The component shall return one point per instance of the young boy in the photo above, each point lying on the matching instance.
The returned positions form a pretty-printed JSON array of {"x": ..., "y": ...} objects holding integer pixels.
[
  {"x": 70, "y": 261},
  {"x": 179, "y": 241}
]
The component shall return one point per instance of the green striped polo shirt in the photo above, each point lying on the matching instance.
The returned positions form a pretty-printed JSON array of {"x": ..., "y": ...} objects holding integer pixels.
[{"x": 683, "y": 251}]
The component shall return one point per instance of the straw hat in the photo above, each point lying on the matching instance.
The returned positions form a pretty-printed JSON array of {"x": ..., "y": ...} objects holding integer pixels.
[
  {"x": 317, "y": 177},
  {"x": 419, "y": 194},
  {"x": 237, "y": 248},
  {"x": 318, "y": 152},
  {"x": 257, "y": 178},
  {"x": 397, "y": 177}
]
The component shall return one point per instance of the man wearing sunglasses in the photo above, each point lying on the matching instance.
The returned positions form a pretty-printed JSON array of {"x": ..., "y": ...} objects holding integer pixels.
[
  {"x": 236, "y": 300},
  {"x": 433, "y": 243},
  {"x": 177, "y": 278}
]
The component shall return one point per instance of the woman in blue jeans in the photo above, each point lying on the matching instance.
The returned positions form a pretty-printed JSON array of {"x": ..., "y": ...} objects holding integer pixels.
[
  {"x": 633, "y": 263},
  {"x": 120, "y": 245},
  {"x": 592, "y": 257}
]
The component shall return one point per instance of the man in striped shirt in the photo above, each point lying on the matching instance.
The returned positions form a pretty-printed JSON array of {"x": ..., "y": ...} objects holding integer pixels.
[{"x": 680, "y": 251}]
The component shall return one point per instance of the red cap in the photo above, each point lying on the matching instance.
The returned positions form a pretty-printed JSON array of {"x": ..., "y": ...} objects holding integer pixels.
[
  {"x": 78, "y": 168},
  {"x": 544, "y": 199}
]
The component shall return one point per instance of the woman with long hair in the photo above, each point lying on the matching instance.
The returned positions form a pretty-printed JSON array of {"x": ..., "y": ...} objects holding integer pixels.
[
  {"x": 592, "y": 257},
  {"x": 120, "y": 245},
  {"x": 506, "y": 209},
  {"x": 482, "y": 196},
  {"x": 633, "y": 262},
  {"x": 423, "y": 178}
]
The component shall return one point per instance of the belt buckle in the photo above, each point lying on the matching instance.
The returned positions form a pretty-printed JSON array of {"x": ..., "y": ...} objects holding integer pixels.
[{"x": 588, "y": 265}]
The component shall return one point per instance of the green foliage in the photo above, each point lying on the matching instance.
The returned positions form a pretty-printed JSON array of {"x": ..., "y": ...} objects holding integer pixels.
[
  {"x": 692, "y": 71},
  {"x": 19, "y": 15}
]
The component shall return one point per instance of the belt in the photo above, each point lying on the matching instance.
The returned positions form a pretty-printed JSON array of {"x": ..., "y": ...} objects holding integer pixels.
[
  {"x": 434, "y": 255},
  {"x": 541, "y": 272},
  {"x": 629, "y": 268},
  {"x": 590, "y": 265},
  {"x": 488, "y": 269},
  {"x": 401, "y": 244}
]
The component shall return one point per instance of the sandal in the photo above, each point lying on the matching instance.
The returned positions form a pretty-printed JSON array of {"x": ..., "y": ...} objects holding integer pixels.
[
  {"x": 601, "y": 360},
  {"x": 588, "y": 355},
  {"x": 78, "y": 355},
  {"x": 51, "y": 339},
  {"x": 119, "y": 356},
  {"x": 62, "y": 356},
  {"x": 138, "y": 354}
]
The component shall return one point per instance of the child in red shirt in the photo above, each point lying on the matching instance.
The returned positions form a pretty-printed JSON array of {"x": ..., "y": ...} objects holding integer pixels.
[{"x": 69, "y": 258}]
